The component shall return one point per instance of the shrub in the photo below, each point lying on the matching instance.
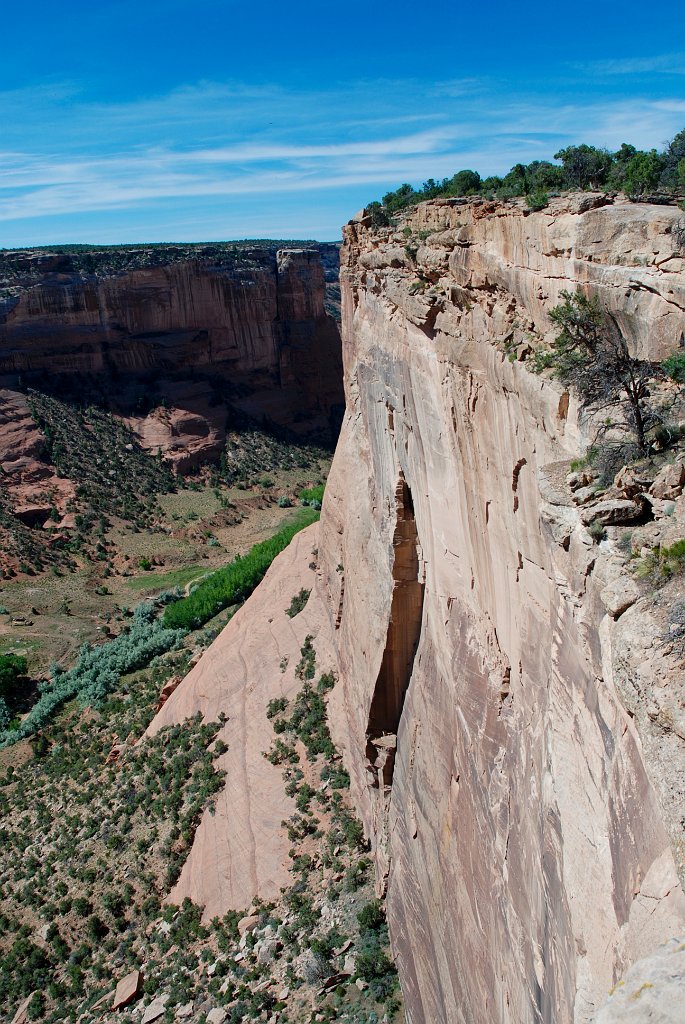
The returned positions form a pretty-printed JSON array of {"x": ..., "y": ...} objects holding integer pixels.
[
  {"x": 591, "y": 356},
  {"x": 674, "y": 367},
  {"x": 13, "y": 668},
  {"x": 537, "y": 200},
  {"x": 642, "y": 174},
  {"x": 298, "y": 603},
  {"x": 98, "y": 669},
  {"x": 597, "y": 531},
  {"x": 663, "y": 562},
  {"x": 312, "y": 496}
]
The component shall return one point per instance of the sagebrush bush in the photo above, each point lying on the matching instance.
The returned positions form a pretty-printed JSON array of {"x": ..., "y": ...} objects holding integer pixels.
[{"x": 98, "y": 669}]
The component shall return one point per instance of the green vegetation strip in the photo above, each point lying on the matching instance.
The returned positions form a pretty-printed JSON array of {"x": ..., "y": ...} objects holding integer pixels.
[
  {"x": 236, "y": 581},
  {"x": 312, "y": 495}
]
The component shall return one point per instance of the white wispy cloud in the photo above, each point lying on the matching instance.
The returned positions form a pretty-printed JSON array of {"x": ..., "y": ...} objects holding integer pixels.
[
  {"x": 662, "y": 64},
  {"x": 209, "y": 141}
]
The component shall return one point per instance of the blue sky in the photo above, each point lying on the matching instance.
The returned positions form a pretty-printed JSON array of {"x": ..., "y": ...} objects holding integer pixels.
[{"x": 142, "y": 120}]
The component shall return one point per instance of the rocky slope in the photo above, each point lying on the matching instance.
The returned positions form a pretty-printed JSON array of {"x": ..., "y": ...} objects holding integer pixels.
[
  {"x": 183, "y": 346},
  {"x": 507, "y": 706}
]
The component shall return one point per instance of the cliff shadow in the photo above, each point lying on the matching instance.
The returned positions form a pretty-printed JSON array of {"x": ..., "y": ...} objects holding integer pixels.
[{"x": 402, "y": 640}]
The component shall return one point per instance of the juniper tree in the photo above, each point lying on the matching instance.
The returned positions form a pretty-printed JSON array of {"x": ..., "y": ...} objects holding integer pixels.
[{"x": 591, "y": 356}]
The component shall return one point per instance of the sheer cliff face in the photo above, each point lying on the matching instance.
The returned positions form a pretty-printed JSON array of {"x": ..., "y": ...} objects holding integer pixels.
[
  {"x": 516, "y": 828},
  {"x": 260, "y": 324}
]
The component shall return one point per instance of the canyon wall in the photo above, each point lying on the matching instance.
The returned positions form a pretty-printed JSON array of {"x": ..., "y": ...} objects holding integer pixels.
[
  {"x": 250, "y": 325},
  {"x": 507, "y": 707},
  {"x": 524, "y": 839}
]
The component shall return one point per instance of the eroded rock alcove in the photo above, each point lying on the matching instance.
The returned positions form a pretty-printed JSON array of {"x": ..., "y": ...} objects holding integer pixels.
[{"x": 404, "y": 631}]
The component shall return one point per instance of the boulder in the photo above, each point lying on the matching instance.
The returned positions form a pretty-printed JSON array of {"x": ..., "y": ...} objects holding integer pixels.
[
  {"x": 116, "y": 750},
  {"x": 611, "y": 512},
  {"x": 247, "y": 924},
  {"x": 128, "y": 989},
  {"x": 166, "y": 691},
  {"x": 652, "y": 990},
  {"x": 155, "y": 1009},
  {"x": 631, "y": 482},
  {"x": 580, "y": 478},
  {"x": 266, "y": 951},
  {"x": 620, "y": 594},
  {"x": 309, "y": 968},
  {"x": 561, "y": 521},
  {"x": 216, "y": 1016},
  {"x": 32, "y": 515},
  {"x": 669, "y": 482},
  {"x": 583, "y": 494}
]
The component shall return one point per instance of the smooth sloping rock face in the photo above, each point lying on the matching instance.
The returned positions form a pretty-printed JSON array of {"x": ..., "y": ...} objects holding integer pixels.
[
  {"x": 241, "y": 850},
  {"x": 516, "y": 828}
]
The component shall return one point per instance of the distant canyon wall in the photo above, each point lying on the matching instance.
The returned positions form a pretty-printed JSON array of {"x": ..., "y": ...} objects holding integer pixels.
[{"x": 178, "y": 339}]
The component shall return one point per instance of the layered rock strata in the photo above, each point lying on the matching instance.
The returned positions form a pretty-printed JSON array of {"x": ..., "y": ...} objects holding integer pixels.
[
  {"x": 178, "y": 334},
  {"x": 522, "y": 843}
]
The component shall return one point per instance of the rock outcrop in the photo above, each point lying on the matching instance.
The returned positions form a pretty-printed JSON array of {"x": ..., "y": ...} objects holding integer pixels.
[{"x": 240, "y": 849}]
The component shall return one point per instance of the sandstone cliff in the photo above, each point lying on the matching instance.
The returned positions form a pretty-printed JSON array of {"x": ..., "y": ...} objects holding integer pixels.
[
  {"x": 523, "y": 844},
  {"x": 514, "y": 734}
]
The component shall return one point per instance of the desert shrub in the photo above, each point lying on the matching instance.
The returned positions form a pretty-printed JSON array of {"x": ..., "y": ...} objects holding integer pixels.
[
  {"x": 537, "y": 200},
  {"x": 13, "y": 682},
  {"x": 674, "y": 367},
  {"x": 373, "y": 963},
  {"x": 306, "y": 665},
  {"x": 597, "y": 531},
  {"x": 591, "y": 356},
  {"x": 298, "y": 603},
  {"x": 312, "y": 496},
  {"x": 663, "y": 562},
  {"x": 275, "y": 706}
]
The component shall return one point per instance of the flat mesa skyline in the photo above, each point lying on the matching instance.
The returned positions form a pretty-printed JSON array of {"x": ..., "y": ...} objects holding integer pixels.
[{"x": 209, "y": 121}]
